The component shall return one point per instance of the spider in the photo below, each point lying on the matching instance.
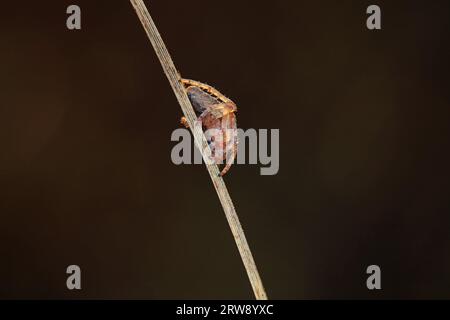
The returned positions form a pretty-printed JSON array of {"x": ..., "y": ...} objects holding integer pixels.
[{"x": 214, "y": 111}]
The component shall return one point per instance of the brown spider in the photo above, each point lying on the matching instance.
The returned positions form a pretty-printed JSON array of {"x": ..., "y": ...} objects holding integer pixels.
[{"x": 214, "y": 111}]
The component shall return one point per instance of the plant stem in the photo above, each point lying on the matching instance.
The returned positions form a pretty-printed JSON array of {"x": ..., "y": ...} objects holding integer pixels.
[{"x": 200, "y": 140}]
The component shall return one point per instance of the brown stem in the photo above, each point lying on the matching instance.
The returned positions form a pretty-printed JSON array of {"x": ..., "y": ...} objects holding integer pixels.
[{"x": 200, "y": 140}]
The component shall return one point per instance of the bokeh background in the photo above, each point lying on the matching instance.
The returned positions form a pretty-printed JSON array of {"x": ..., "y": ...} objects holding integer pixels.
[{"x": 86, "y": 176}]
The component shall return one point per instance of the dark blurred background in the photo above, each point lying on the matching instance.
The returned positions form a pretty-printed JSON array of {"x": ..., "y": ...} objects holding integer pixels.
[{"x": 86, "y": 176}]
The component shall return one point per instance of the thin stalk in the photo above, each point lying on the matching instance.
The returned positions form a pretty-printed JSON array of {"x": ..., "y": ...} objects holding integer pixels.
[{"x": 175, "y": 81}]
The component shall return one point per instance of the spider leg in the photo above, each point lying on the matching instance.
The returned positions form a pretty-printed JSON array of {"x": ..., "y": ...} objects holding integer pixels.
[
  {"x": 184, "y": 122},
  {"x": 230, "y": 157},
  {"x": 229, "y": 162},
  {"x": 220, "y": 110}
]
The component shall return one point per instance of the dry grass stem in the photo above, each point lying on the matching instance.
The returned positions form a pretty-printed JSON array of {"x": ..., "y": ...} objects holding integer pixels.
[{"x": 200, "y": 140}]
